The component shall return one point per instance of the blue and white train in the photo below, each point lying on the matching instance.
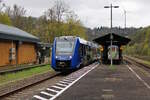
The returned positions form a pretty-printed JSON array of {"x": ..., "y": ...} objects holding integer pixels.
[{"x": 70, "y": 52}]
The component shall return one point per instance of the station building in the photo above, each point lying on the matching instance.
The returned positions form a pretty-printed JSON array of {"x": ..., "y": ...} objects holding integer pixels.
[{"x": 17, "y": 46}]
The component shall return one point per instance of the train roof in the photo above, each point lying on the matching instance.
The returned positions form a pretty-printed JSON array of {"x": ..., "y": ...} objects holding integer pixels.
[
  {"x": 13, "y": 33},
  {"x": 92, "y": 44},
  {"x": 82, "y": 41},
  {"x": 69, "y": 37},
  {"x": 117, "y": 39}
]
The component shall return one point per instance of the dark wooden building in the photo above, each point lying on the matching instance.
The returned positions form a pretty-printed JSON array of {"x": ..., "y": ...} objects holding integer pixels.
[{"x": 17, "y": 46}]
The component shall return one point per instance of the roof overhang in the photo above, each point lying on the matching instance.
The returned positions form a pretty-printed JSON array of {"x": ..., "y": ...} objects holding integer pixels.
[
  {"x": 13, "y": 33},
  {"x": 117, "y": 39},
  {"x": 18, "y": 38}
]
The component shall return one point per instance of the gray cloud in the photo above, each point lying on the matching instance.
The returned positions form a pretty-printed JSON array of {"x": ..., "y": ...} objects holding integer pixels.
[{"x": 92, "y": 13}]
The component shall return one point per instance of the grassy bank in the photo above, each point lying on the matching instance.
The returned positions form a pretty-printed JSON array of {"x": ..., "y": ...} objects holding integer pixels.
[{"x": 24, "y": 74}]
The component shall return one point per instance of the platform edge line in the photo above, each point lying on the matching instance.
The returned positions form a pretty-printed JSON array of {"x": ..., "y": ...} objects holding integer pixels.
[
  {"x": 138, "y": 77},
  {"x": 72, "y": 83}
]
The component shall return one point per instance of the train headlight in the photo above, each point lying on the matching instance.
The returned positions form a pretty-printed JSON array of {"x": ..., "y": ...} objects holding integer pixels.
[
  {"x": 70, "y": 57},
  {"x": 56, "y": 57}
]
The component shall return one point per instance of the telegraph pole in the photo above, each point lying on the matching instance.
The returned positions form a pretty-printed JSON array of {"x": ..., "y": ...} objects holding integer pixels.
[
  {"x": 111, "y": 36},
  {"x": 125, "y": 20}
]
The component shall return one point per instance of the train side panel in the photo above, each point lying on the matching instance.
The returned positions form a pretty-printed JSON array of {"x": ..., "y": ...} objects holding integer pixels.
[
  {"x": 53, "y": 60},
  {"x": 76, "y": 59}
]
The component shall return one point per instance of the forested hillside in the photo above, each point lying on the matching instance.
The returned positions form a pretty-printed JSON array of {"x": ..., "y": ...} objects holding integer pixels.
[
  {"x": 58, "y": 20},
  {"x": 96, "y": 32},
  {"x": 140, "y": 44}
]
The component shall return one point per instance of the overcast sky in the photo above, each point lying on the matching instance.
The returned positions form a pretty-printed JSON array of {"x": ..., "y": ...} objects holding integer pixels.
[{"x": 92, "y": 12}]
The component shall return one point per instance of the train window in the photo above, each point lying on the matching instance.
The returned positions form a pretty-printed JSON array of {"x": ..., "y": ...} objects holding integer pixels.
[
  {"x": 85, "y": 50},
  {"x": 64, "y": 46}
]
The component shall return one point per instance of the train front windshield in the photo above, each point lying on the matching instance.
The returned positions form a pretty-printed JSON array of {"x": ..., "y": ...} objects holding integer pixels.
[{"x": 64, "y": 47}]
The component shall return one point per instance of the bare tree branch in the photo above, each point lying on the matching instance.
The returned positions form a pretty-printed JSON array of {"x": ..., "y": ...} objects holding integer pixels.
[
  {"x": 2, "y": 6},
  {"x": 58, "y": 11}
]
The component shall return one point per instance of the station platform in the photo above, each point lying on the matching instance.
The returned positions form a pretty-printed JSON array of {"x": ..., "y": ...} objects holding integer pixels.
[{"x": 108, "y": 83}]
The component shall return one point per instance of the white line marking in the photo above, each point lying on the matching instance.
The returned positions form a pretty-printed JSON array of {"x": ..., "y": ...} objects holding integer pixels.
[
  {"x": 52, "y": 90},
  {"x": 57, "y": 87},
  {"x": 48, "y": 94},
  {"x": 72, "y": 83},
  {"x": 61, "y": 84},
  {"x": 67, "y": 80},
  {"x": 138, "y": 77},
  {"x": 39, "y": 97},
  {"x": 70, "y": 78}
]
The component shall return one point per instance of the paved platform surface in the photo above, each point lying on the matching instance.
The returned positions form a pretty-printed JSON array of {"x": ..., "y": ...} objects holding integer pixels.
[{"x": 109, "y": 83}]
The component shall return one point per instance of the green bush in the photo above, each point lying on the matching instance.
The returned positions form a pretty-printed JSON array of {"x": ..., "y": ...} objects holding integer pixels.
[
  {"x": 140, "y": 44},
  {"x": 4, "y": 19}
]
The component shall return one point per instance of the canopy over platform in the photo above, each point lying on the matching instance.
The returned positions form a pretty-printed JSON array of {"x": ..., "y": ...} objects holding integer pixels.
[{"x": 117, "y": 39}]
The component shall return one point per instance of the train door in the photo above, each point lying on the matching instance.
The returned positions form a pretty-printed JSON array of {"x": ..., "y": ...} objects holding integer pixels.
[{"x": 81, "y": 51}]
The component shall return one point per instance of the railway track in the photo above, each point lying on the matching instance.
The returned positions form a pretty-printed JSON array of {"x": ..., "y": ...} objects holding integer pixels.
[
  {"x": 135, "y": 62},
  {"x": 52, "y": 92},
  {"x": 32, "y": 89},
  {"x": 19, "y": 68},
  {"x": 140, "y": 70},
  {"x": 14, "y": 87}
]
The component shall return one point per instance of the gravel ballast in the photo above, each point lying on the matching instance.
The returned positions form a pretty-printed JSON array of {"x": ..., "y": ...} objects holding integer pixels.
[{"x": 22, "y": 83}]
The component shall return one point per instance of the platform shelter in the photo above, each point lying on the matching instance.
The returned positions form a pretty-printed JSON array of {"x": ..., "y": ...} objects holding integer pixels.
[{"x": 105, "y": 41}]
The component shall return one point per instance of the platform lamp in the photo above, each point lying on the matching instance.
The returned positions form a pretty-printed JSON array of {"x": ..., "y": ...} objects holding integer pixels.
[{"x": 111, "y": 36}]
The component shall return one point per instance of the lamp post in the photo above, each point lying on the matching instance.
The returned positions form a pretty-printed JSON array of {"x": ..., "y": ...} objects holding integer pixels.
[{"x": 111, "y": 36}]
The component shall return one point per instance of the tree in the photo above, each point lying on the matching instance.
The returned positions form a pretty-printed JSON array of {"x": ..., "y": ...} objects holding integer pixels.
[
  {"x": 2, "y": 6},
  {"x": 56, "y": 12},
  {"x": 51, "y": 15},
  {"x": 60, "y": 9},
  {"x": 58, "y": 20},
  {"x": 17, "y": 15},
  {"x": 140, "y": 43},
  {"x": 4, "y": 19}
]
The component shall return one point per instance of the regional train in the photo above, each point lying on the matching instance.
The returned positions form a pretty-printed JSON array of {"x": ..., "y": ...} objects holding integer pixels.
[
  {"x": 116, "y": 54},
  {"x": 114, "y": 50},
  {"x": 70, "y": 52}
]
